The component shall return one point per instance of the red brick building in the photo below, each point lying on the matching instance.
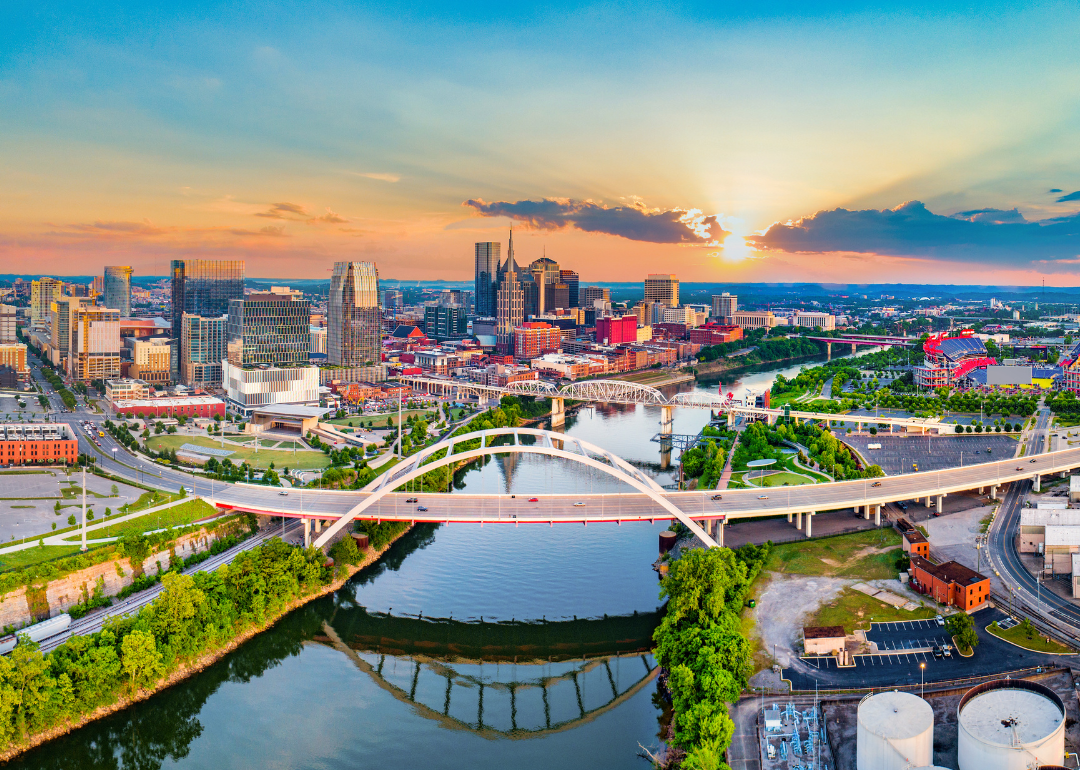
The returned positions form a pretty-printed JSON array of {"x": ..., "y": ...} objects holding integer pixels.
[
  {"x": 615, "y": 331},
  {"x": 534, "y": 339},
  {"x": 50, "y": 443},
  {"x": 189, "y": 406},
  {"x": 714, "y": 334},
  {"x": 950, "y": 583},
  {"x": 915, "y": 542}
]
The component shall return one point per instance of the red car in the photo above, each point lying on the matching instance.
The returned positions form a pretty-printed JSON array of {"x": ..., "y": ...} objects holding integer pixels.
[{"x": 534, "y": 499}]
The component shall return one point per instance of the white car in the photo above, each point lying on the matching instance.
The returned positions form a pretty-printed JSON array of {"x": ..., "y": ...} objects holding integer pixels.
[
  {"x": 283, "y": 492},
  {"x": 579, "y": 505},
  {"x": 939, "y": 620}
]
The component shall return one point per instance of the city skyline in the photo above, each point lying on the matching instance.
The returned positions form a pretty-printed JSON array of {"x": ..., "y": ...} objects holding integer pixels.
[{"x": 821, "y": 144}]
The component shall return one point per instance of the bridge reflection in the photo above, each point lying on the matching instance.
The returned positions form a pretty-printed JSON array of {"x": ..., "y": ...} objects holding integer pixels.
[{"x": 500, "y": 680}]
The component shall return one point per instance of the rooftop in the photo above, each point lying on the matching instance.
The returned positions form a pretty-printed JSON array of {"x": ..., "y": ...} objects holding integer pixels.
[
  {"x": 290, "y": 410},
  {"x": 950, "y": 571},
  {"x": 823, "y": 632},
  {"x": 135, "y": 403},
  {"x": 1067, "y": 535},
  {"x": 1049, "y": 517}
]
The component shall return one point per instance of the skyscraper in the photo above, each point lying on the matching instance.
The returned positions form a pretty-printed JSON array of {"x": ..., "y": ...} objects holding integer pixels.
[
  {"x": 63, "y": 314},
  {"x": 204, "y": 343},
  {"x": 269, "y": 328},
  {"x": 572, "y": 281},
  {"x": 510, "y": 302},
  {"x": 43, "y": 292},
  {"x": 594, "y": 293},
  {"x": 486, "y": 281},
  {"x": 354, "y": 318},
  {"x": 118, "y": 289},
  {"x": 662, "y": 287},
  {"x": 201, "y": 287},
  {"x": 95, "y": 344},
  {"x": 724, "y": 307},
  {"x": 545, "y": 273}
]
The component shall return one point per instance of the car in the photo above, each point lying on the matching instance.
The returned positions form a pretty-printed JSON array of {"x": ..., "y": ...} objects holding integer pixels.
[
  {"x": 579, "y": 504},
  {"x": 284, "y": 493},
  {"x": 762, "y": 497},
  {"x": 411, "y": 500},
  {"x": 938, "y": 653},
  {"x": 534, "y": 499},
  {"x": 939, "y": 620},
  {"x": 946, "y": 650},
  {"x": 717, "y": 497},
  {"x": 421, "y": 508},
  {"x": 876, "y": 484},
  {"x": 1032, "y": 459},
  {"x": 1019, "y": 467}
]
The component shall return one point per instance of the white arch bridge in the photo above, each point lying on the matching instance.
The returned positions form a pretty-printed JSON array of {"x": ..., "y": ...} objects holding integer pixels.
[{"x": 644, "y": 501}]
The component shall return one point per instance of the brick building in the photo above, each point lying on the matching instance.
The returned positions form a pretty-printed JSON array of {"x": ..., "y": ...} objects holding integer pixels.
[
  {"x": 188, "y": 406},
  {"x": 950, "y": 583},
  {"x": 714, "y": 334},
  {"x": 615, "y": 331},
  {"x": 41, "y": 444},
  {"x": 536, "y": 338},
  {"x": 915, "y": 542}
]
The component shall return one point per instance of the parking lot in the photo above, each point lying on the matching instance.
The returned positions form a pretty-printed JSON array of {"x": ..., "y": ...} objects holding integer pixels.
[
  {"x": 907, "y": 635},
  {"x": 898, "y": 453}
]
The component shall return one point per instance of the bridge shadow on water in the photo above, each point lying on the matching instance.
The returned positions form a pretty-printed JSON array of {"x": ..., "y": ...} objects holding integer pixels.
[{"x": 494, "y": 679}]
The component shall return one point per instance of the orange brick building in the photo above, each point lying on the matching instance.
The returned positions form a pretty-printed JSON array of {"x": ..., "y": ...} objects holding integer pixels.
[
  {"x": 50, "y": 443},
  {"x": 534, "y": 339},
  {"x": 950, "y": 583},
  {"x": 915, "y": 542}
]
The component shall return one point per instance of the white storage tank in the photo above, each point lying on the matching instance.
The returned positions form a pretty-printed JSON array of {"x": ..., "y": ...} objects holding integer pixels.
[
  {"x": 895, "y": 732},
  {"x": 1010, "y": 724}
]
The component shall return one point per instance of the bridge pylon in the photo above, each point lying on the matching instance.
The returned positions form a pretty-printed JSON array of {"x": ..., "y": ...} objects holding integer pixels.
[{"x": 558, "y": 411}]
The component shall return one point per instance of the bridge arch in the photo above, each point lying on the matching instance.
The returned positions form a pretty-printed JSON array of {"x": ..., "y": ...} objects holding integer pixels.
[
  {"x": 546, "y": 445},
  {"x": 614, "y": 392}
]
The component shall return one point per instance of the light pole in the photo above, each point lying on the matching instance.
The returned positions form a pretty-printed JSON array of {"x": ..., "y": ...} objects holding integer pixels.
[{"x": 922, "y": 680}]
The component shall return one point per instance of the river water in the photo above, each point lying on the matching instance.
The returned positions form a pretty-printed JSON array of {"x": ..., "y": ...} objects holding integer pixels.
[{"x": 464, "y": 647}]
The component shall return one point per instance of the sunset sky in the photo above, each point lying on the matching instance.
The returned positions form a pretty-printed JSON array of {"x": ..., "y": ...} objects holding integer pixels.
[{"x": 906, "y": 142}]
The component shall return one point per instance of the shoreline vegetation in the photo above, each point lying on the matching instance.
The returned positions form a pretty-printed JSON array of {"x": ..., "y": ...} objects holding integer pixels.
[{"x": 46, "y": 696}]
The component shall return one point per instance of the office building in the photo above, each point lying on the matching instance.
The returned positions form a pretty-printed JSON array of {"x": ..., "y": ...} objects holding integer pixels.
[
  {"x": 266, "y": 328},
  {"x": 43, "y": 292},
  {"x": 754, "y": 319},
  {"x": 13, "y": 368},
  {"x": 615, "y": 331},
  {"x": 318, "y": 340},
  {"x": 9, "y": 327},
  {"x": 442, "y": 322},
  {"x": 545, "y": 274},
  {"x": 97, "y": 286},
  {"x": 151, "y": 359},
  {"x": 202, "y": 288},
  {"x": 95, "y": 344},
  {"x": 448, "y": 297},
  {"x": 249, "y": 388},
  {"x": 724, "y": 307},
  {"x": 814, "y": 320},
  {"x": 118, "y": 289},
  {"x": 535, "y": 339},
  {"x": 393, "y": 299},
  {"x": 204, "y": 346},
  {"x": 354, "y": 319},
  {"x": 510, "y": 302},
  {"x": 593, "y": 293},
  {"x": 63, "y": 313},
  {"x": 663, "y": 288},
  {"x": 572, "y": 281},
  {"x": 485, "y": 284},
  {"x": 560, "y": 297},
  {"x": 686, "y": 316}
]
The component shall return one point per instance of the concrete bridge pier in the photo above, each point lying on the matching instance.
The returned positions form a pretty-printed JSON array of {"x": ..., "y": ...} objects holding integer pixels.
[
  {"x": 866, "y": 513},
  {"x": 558, "y": 411},
  {"x": 307, "y": 533},
  {"x": 798, "y": 520},
  {"x": 666, "y": 421},
  {"x": 928, "y": 501},
  {"x": 809, "y": 523},
  {"x": 789, "y": 518},
  {"x": 877, "y": 516},
  {"x": 828, "y": 351},
  {"x": 666, "y": 418},
  {"x": 993, "y": 492},
  {"x": 853, "y": 344},
  {"x": 940, "y": 499},
  {"x": 730, "y": 418},
  {"x": 1038, "y": 483},
  {"x": 858, "y": 427},
  {"x": 716, "y": 531}
]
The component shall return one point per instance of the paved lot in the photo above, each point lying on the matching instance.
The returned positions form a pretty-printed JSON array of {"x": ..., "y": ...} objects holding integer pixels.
[
  {"x": 991, "y": 656},
  {"x": 24, "y": 517},
  {"x": 907, "y": 635},
  {"x": 898, "y": 453}
]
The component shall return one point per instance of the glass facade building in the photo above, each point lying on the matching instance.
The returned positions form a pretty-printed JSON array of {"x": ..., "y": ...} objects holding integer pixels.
[
  {"x": 117, "y": 294},
  {"x": 353, "y": 315},
  {"x": 485, "y": 285},
  {"x": 204, "y": 288},
  {"x": 269, "y": 329},
  {"x": 204, "y": 343},
  {"x": 443, "y": 322},
  {"x": 510, "y": 302}
]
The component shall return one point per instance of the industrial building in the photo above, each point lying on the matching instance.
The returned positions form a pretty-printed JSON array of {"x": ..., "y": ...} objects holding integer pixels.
[{"x": 950, "y": 583}]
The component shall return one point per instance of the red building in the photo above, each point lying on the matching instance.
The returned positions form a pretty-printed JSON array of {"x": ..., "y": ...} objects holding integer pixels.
[
  {"x": 534, "y": 339},
  {"x": 915, "y": 542},
  {"x": 615, "y": 331},
  {"x": 188, "y": 406},
  {"x": 714, "y": 334},
  {"x": 950, "y": 583},
  {"x": 45, "y": 444}
]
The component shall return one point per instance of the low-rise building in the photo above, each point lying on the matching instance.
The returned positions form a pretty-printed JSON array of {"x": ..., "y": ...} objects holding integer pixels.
[
  {"x": 714, "y": 334},
  {"x": 537, "y": 338},
  {"x": 129, "y": 389},
  {"x": 151, "y": 359},
  {"x": 950, "y": 583},
  {"x": 823, "y": 640},
  {"x": 754, "y": 319},
  {"x": 259, "y": 386},
  {"x": 914, "y": 541},
  {"x": 38, "y": 444},
  {"x": 814, "y": 320},
  {"x": 188, "y": 406}
]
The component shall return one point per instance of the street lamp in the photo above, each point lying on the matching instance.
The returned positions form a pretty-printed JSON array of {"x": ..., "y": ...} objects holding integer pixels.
[{"x": 922, "y": 680}]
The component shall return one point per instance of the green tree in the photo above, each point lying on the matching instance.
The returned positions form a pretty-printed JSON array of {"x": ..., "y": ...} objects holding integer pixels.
[
  {"x": 140, "y": 658},
  {"x": 962, "y": 628}
]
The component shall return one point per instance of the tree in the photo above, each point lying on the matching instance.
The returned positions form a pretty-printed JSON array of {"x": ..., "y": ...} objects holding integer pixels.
[
  {"x": 140, "y": 658},
  {"x": 71, "y": 520},
  {"x": 962, "y": 628}
]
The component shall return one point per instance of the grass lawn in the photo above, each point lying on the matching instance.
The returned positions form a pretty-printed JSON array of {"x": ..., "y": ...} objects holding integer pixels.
[
  {"x": 302, "y": 459},
  {"x": 783, "y": 479},
  {"x": 854, "y": 555},
  {"x": 31, "y": 556},
  {"x": 148, "y": 500},
  {"x": 379, "y": 420},
  {"x": 1036, "y": 642},
  {"x": 853, "y": 610},
  {"x": 184, "y": 513}
]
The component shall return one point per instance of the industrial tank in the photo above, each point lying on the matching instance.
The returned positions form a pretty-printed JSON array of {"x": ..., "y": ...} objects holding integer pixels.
[
  {"x": 896, "y": 732},
  {"x": 1010, "y": 724}
]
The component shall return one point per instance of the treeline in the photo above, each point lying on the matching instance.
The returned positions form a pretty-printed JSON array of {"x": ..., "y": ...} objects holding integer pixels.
[
  {"x": 192, "y": 616},
  {"x": 699, "y": 644},
  {"x": 766, "y": 348}
]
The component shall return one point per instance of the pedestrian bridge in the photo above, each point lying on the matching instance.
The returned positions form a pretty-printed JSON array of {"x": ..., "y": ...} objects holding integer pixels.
[{"x": 644, "y": 500}]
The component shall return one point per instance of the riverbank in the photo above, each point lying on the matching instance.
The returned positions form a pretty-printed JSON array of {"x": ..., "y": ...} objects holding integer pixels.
[
  {"x": 199, "y": 663},
  {"x": 740, "y": 365}
]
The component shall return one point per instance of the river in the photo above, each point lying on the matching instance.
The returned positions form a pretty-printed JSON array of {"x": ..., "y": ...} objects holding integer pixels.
[{"x": 464, "y": 647}]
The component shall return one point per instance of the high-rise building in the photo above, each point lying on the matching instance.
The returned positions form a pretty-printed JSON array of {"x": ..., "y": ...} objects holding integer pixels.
[
  {"x": 445, "y": 322},
  {"x": 97, "y": 286},
  {"x": 63, "y": 319},
  {"x": 247, "y": 389},
  {"x": 393, "y": 299},
  {"x": 43, "y": 292},
  {"x": 318, "y": 340},
  {"x": 724, "y": 307},
  {"x": 560, "y": 297},
  {"x": 510, "y": 302},
  {"x": 545, "y": 273},
  {"x": 13, "y": 368},
  {"x": 662, "y": 287},
  {"x": 201, "y": 287},
  {"x": 267, "y": 328},
  {"x": 95, "y": 344},
  {"x": 615, "y": 331},
  {"x": 486, "y": 277},
  {"x": 118, "y": 289},
  {"x": 593, "y": 293},
  {"x": 204, "y": 343},
  {"x": 9, "y": 328},
  {"x": 151, "y": 359},
  {"x": 534, "y": 339},
  {"x": 354, "y": 318},
  {"x": 572, "y": 281}
]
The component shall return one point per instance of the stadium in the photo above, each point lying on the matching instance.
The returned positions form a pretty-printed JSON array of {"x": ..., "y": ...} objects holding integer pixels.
[{"x": 950, "y": 359}]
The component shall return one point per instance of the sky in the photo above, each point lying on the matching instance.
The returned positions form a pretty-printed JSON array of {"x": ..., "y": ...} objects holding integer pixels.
[{"x": 826, "y": 142}]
